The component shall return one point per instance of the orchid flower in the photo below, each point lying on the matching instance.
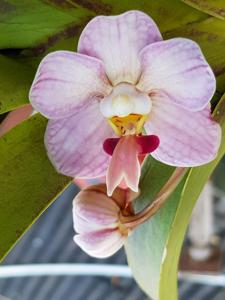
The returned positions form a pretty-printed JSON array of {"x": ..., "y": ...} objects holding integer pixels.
[{"x": 126, "y": 93}]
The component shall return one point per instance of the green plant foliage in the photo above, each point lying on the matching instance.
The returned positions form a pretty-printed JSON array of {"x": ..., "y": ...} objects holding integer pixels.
[
  {"x": 28, "y": 181},
  {"x": 145, "y": 260},
  {"x": 154, "y": 264},
  {"x": 15, "y": 81},
  {"x": 28, "y": 23},
  {"x": 24, "y": 23},
  {"x": 213, "y": 7},
  {"x": 161, "y": 11}
]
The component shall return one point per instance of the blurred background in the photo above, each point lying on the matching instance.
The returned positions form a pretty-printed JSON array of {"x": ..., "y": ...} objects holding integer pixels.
[{"x": 50, "y": 241}]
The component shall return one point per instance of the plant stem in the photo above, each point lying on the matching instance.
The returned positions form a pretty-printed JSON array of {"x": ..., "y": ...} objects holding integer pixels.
[{"x": 133, "y": 221}]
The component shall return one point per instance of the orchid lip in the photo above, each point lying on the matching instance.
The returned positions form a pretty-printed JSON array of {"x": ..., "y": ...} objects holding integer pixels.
[{"x": 147, "y": 143}]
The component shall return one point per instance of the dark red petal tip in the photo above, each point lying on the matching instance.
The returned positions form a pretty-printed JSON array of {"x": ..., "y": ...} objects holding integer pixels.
[
  {"x": 148, "y": 143},
  {"x": 109, "y": 145}
]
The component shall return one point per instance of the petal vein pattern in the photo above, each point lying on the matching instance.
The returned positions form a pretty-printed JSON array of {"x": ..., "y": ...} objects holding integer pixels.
[
  {"x": 74, "y": 144},
  {"x": 117, "y": 40},
  {"x": 65, "y": 81},
  {"x": 178, "y": 69},
  {"x": 186, "y": 138}
]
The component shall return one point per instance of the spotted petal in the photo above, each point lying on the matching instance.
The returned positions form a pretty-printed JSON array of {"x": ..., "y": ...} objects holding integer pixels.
[
  {"x": 178, "y": 69},
  {"x": 65, "y": 81},
  {"x": 186, "y": 138},
  {"x": 74, "y": 144},
  {"x": 117, "y": 40},
  {"x": 102, "y": 243}
]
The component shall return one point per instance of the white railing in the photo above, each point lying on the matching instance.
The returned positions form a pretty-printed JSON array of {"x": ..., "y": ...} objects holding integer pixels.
[{"x": 37, "y": 270}]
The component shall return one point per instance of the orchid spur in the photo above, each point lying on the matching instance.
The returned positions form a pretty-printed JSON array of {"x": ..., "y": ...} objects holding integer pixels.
[{"x": 126, "y": 93}]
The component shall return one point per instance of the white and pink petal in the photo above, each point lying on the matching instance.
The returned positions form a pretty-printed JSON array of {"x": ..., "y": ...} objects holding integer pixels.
[
  {"x": 117, "y": 40},
  {"x": 94, "y": 208},
  {"x": 178, "y": 69},
  {"x": 102, "y": 243},
  {"x": 65, "y": 82},
  {"x": 186, "y": 138},
  {"x": 75, "y": 144}
]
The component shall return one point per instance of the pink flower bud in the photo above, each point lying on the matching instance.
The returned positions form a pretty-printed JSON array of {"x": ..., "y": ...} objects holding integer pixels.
[{"x": 96, "y": 220}]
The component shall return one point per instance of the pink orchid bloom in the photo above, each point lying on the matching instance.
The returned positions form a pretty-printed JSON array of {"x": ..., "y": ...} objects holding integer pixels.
[
  {"x": 126, "y": 81},
  {"x": 96, "y": 221}
]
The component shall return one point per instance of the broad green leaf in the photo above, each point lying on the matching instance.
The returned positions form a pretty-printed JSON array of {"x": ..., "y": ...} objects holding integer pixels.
[
  {"x": 28, "y": 23},
  {"x": 212, "y": 7},
  {"x": 145, "y": 247},
  {"x": 15, "y": 80},
  {"x": 28, "y": 181},
  {"x": 210, "y": 35},
  {"x": 153, "y": 249},
  {"x": 25, "y": 23},
  {"x": 162, "y": 11}
]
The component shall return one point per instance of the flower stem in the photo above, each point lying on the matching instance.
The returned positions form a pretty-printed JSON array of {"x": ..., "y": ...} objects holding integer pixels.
[{"x": 133, "y": 221}]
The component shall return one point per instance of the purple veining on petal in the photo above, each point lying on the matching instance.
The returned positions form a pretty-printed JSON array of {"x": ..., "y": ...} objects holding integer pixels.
[
  {"x": 186, "y": 138},
  {"x": 75, "y": 144},
  {"x": 102, "y": 243},
  {"x": 117, "y": 40},
  {"x": 65, "y": 81},
  {"x": 178, "y": 69},
  {"x": 96, "y": 221}
]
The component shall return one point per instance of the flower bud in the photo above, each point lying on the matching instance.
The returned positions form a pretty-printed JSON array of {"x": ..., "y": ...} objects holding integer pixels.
[{"x": 96, "y": 220}]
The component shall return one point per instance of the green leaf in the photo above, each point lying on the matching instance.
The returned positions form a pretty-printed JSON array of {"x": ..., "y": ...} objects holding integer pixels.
[
  {"x": 146, "y": 245},
  {"x": 212, "y": 7},
  {"x": 162, "y": 11},
  {"x": 153, "y": 249},
  {"x": 28, "y": 181},
  {"x": 15, "y": 81},
  {"x": 24, "y": 23}
]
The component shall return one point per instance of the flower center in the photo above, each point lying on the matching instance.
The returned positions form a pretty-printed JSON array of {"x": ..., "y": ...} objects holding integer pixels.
[
  {"x": 131, "y": 124},
  {"x": 126, "y": 109}
]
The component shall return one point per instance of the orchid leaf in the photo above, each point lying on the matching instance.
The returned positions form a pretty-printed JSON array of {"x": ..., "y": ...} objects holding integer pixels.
[
  {"x": 162, "y": 11},
  {"x": 24, "y": 23},
  {"x": 154, "y": 264},
  {"x": 15, "y": 80},
  {"x": 27, "y": 23},
  {"x": 28, "y": 182},
  {"x": 212, "y": 7}
]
